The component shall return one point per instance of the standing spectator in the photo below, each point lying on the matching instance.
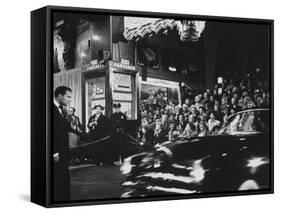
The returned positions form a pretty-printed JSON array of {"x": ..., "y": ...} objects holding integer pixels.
[
  {"x": 74, "y": 121},
  {"x": 98, "y": 126}
]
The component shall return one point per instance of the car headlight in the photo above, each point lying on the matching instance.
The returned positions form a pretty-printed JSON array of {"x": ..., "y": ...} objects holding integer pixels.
[
  {"x": 126, "y": 167},
  {"x": 255, "y": 162}
]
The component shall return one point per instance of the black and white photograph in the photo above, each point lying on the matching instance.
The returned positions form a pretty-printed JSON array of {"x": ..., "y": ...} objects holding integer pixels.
[
  {"x": 140, "y": 107},
  {"x": 155, "y": 106}
]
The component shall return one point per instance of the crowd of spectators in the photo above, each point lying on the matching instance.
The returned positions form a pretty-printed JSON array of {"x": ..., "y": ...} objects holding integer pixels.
[{"x": 201, "y": 113}]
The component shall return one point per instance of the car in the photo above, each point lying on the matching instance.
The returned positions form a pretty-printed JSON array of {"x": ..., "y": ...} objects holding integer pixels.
[{"x": 237, "y": 158}]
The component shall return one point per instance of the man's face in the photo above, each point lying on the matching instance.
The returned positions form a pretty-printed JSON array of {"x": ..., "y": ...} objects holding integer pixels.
[
  {"x": 116, "y": 109},
  {"x": 205, "y": 95},
  {"x": 202, "y": 127},
  {"x": 71, "y": 111},
  {"x": 65, "y": 99},
  {"x": 193, "y": 110},
  {"x": 98, "y": 110}
]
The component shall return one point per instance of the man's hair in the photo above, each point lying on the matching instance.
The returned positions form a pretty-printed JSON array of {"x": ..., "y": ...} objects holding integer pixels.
[{"x": 62, "y": 90}]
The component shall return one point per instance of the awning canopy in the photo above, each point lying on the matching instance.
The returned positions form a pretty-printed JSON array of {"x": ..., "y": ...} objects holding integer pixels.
[{"x": 139, "y": 28}]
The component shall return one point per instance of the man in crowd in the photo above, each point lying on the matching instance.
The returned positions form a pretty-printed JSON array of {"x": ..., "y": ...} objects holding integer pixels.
[
  {"x": 74, "y": 121},
  {"x": 60, "y": 146},
  {"x": 191, "y": 127},
  {"x": 98, "y": 126},
  {"x": 159, "y": 134}
]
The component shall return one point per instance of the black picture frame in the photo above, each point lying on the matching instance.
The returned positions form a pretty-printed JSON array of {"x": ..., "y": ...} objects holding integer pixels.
[{"x": 42, "y": 96}]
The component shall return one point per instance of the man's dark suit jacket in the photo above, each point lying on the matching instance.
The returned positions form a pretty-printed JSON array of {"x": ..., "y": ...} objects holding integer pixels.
[
  {"x": 101, "y": 129},
  {"x": 60, "y": 145},
  {"x": 160, "y": 138}
]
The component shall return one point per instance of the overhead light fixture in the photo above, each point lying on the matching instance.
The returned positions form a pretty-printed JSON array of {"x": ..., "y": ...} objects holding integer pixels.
[{"x": 95, "y": 37}]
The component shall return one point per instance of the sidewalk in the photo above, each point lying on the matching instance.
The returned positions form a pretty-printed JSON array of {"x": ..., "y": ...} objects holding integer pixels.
[{"x": 95, "y": 182}]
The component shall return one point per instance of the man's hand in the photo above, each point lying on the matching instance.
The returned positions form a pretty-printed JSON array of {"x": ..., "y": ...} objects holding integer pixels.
[
  {"x": 92, "y": 124},
  {"x": 56, "y": 157}
]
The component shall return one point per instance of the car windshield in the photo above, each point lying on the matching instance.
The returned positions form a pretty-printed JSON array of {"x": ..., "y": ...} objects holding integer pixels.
[{"x": 248, "y": 121}]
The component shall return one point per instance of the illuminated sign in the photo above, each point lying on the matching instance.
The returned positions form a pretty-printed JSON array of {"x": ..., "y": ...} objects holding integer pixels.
[
  {"x": 160, "y": 82},
  {"x": 123, "y": 66},
  {"x": 122, "y": 82},
  {"x": 122, "y": 96},
  {"x": 93, "y": 67}
]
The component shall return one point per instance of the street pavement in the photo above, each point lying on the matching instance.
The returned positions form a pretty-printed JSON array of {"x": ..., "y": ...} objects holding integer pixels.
[{"x": 96, "y": 182}]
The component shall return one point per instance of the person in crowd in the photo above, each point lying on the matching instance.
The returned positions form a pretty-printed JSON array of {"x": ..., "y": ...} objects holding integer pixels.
[
  {"x": 202, "y": 129},
  {"x": 98, "y": 126},
  {"x": 191, "y": 127},
  {"x": 164, "y": 121},
  {"x": 187, "y": 102},
  {"x": 151, "y": 99},
  {"x": 198, "y": 102},
  {"x": 144, "y": 137},
  {"x": 75, "y": 135},
  {"x": 74, "y": 121},
  {"x": 172, "y": 128},
  {"x": 60, "y": 145},
  {"x": 159, "y": 134},
  {"x": 202, "y": 112},
  {"x": 181, "y": 122},
  {"x": 213, "y": 123}
]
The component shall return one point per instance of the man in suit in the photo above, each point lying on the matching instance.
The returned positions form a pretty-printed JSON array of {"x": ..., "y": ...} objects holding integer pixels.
[
  {"x": 159, "y": 134},
  {"x": 60, "y": 146},
  {"x": 98, "y": 126}
]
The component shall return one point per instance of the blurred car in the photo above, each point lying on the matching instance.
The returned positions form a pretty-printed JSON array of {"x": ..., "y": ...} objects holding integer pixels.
[{"x": 236, "y": 158}]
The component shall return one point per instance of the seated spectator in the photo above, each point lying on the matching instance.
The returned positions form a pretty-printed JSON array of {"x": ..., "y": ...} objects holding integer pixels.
[
  {"x": 198, "y": 102},
  {"x": 172, "y": 128},
  {"x": 181, "y": 122},
  {"x": 190, "y": 128},
  {"x": 202, "y": 129},
  {"x": 213, "y": 122},
  {"x": 159, "y": 134}
]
